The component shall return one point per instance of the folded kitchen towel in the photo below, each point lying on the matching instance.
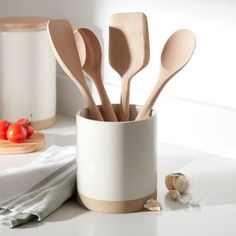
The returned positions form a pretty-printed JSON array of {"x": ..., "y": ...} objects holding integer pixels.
[{"x": 38, "y": 188}]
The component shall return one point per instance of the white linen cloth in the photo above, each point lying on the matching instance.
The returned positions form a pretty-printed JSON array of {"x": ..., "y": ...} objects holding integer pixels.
[{"x": 37, "y": 189}]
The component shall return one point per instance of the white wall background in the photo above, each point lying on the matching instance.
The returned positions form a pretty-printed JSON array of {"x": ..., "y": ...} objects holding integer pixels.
[{"x": 198, "y": 107}]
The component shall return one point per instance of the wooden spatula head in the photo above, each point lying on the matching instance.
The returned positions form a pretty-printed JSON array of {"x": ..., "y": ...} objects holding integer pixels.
[
  {"x": 128, "y": 43},
  {"x": 81, "y": 47},
  {"x": 64, "y": 46}
]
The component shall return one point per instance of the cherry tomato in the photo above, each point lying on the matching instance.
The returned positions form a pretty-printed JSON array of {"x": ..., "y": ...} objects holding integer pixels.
[
  {"x": 4, "y": 124},
  {"x": 29, "y": 130},
  {"x": 16, "y": 133},
  {"x": 23, "y": 121},
  {"x": 27, "y": 125}
]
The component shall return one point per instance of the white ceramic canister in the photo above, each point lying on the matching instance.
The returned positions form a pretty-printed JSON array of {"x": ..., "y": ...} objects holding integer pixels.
[
  {"x": 27, "y": 71},
  {"x": 116, "y": 162}
]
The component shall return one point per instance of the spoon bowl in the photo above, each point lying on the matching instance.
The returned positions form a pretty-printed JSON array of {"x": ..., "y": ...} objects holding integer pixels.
[
  {"x": 90, "y": 54},
  {"x": 178, "y": 50},
  {"x": 175, "y": 55}
]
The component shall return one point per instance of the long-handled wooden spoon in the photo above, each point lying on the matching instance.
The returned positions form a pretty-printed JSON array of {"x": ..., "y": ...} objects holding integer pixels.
[
  {"x": 63, "y": 43},
  {"x": 176, "y": 53},
  {"x": 90, "y": 54},
  {"x": 128, "y": 51}
]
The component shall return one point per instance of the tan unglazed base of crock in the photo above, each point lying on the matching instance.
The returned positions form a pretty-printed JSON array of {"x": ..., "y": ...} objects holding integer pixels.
[
  {"x": 43, "y": 124},
  {"x": 115, "y": 206}
]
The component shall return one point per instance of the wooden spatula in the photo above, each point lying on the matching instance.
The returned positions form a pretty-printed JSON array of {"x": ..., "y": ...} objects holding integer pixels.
[
  {"x": 128, "y": 51},
  {"x": 63, "y": 43}
]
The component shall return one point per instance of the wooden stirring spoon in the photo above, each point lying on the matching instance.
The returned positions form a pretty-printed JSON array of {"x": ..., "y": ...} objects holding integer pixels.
[
  {"x": 128, "y": 51},
  {"x": 176, "y": 53},
  {"x": 63, "y": 44},
  {"x": 90, "y": 53}
]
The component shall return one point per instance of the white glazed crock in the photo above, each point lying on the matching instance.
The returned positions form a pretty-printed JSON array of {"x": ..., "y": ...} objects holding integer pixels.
[
  {"x": 116, "y": 163},
  {"x": 27, "y": 71}
]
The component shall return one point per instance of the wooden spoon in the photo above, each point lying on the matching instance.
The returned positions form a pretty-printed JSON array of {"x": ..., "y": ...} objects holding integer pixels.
[
  {"x": 176, "y": 53},
  {"x": 63, "y": 43},
  {"x": 128, "y": 51},
  {"x": 90, "y": 53}
]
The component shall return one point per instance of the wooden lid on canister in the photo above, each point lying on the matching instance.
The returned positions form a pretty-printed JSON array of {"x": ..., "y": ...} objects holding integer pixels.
[{"x": 23, "y": 22}]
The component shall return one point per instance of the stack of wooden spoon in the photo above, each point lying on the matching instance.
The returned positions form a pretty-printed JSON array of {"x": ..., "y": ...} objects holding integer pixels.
[{"x": 79, "y": 52}]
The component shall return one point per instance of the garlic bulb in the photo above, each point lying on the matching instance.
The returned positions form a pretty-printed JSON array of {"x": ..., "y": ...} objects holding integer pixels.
[
  {"x": 177, "y": 181},
  {"x": 178, "y": 185}
]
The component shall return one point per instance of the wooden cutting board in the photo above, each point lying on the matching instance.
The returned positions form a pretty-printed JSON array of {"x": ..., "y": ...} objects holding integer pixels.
[{"x": 33, "y": 144}]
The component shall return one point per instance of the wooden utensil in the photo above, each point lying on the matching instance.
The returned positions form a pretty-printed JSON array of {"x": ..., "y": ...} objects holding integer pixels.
[
  {"x": 33, "y": 144},
  {"x": 176, "y": 53},
  {"x": 63, "y": 43},
  {"x": 128, "y": 51},
  {"x": 90, "y": 54}
]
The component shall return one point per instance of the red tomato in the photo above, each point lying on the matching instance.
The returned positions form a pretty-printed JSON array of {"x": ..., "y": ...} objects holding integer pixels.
[
  {"x": 29, "y": 130},
  {"x": 16, "y": 133},
  {"x": 23, "y": 121},
  {"x": 4, "y": 124},
  {"x": 26, "y": 124}
]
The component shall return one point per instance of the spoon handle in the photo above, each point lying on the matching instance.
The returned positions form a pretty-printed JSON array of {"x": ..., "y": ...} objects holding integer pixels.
[
  {"x": 93, "y": 110},
  {"x": 124, "y": 103},
  {"x": 108, "y": 111},
  {"x": 147, "y": 107},
  {"x": 94, "y": 113}
]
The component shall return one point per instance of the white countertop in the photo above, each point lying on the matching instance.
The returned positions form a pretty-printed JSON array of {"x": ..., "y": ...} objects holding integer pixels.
[{"x": 214, "y": 182}]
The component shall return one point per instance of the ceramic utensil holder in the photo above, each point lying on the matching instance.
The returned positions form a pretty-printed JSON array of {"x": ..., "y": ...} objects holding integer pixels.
[
  {"x": 27, "y": 71},
  {"x": 116, "y": 162}
]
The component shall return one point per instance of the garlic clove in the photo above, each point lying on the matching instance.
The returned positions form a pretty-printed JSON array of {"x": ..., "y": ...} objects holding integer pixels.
[
  {"x": 169, "y": 182},
  {"x": 174, "y": 195},
  {"x": 183, "y": 198},
  {"x": 170, "y": 179},
  {"x": 153, "y": 205}
]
